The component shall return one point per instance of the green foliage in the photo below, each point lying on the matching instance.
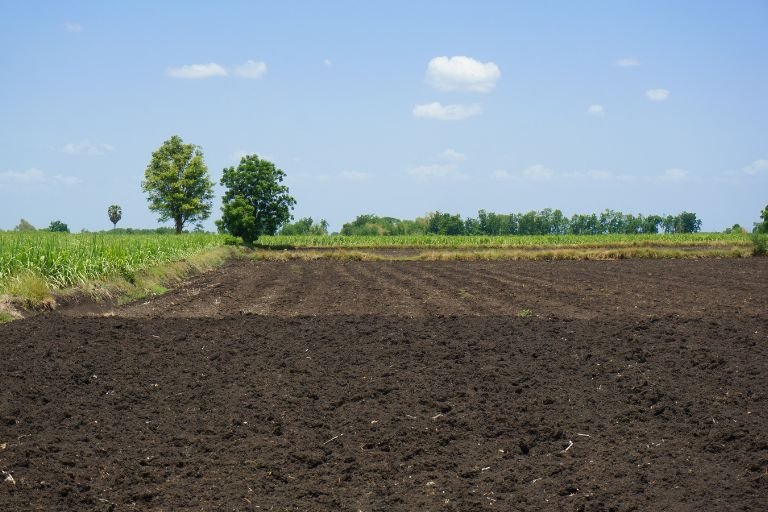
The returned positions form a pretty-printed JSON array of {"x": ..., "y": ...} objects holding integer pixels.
[
  {"x": 510, "y": 241},
  {"x": 759, "y": 244},
  {"x": 305, "y": 226},
  {"x": 444, "y": 224},
  {"x": 255, "y": 202},
  {"x": 57, "y": 226},
  {"x": 66, "y": 260},
  {"x": 115, "y": 213},
  {"x": 762, "y": 227},
  {"x": 736, "y": 228},
  {"x": 544, "y": 222},
  {"x": 367, "y": 225},
  {"x": 24, "y": 225},
  {"x": 177, "y": 183}
]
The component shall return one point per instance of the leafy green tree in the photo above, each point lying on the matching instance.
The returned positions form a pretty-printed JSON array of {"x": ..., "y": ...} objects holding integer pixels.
[
  {"x": 762, "y": 227},
  {"x": 24, "y": 225},
  {"x": 736, "y": 228},
  {"x": 177, "y": 183},
  {"x": 115, "y": 214},
  {"x": 305, "y": 226},
  {"x": 57, "y": 226},
  {"x": 255, "y": 202}
]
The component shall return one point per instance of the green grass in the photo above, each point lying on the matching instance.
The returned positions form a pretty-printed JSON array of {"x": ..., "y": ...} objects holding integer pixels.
[
  {"x": 32, "y": 265},
  {"x": 505, "y": 242}
]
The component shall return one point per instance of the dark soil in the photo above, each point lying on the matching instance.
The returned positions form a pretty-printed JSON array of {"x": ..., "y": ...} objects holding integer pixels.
[{"x": 626, "y": 385}]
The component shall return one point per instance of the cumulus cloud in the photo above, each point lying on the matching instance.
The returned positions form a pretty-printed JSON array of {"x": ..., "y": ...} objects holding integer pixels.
[
  {"x": 442, "y": 112},
  {"x": 71, "y": 26},
  {"x": 35, "y": 176},
  {"x": 757, "y": 167},
  {"x": 86, "y": 147},
  {"x": 462, "y": 74},
  {"x": 195, "y": 71},
  {"x": 355, "y": 175},
  {"x": 501, "y": 174},
  {"x": 657, "y": 94},
  {"x": 453, "y": 155},
  {"x": 595, "y": 110},
  {"x": 626, "y": 62},
  {"x": 251, "y": 69}
]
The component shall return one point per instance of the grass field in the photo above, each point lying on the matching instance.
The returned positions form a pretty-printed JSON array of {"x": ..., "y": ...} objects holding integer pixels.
[
  {"x": 58, "y": 260},
  {"x": 507, "y": 242}
]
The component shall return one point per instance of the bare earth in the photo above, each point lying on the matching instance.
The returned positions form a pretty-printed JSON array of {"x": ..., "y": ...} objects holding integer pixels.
[{"x": 413, "y": 386}]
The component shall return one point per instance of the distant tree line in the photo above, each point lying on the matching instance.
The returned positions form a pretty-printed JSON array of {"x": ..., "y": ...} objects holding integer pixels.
[{"x": 544, "y": 222}]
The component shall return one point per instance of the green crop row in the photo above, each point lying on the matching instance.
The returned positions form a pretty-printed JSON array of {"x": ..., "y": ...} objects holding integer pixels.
[
  {"x": 64, "y": 260},
  {"x": 501, "y": 242}
]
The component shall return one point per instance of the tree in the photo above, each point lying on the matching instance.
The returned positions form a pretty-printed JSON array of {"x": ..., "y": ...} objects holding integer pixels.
[
  {"x": 763, "y": 226},
  {"x": 24, "y": 225},
  {"x": 177, "y": 184},
  {"x": 305, "y": 226},
  {"x": 57, "y": 226},
  {"x": 255, "y": 202},
  {"x": 115, "y": 214}
]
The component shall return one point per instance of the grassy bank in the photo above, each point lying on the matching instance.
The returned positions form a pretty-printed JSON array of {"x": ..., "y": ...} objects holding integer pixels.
[{"x": 37, "y": 267}]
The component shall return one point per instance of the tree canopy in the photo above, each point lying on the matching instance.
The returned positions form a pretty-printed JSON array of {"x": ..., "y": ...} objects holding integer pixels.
[
  {"x": 24, "y": 225},
  {"x": 57, "y": 226},
  {"x": 115, "y": 213},
  {"x": 177, "y": 183},
  {"x": 255, "y": 202}
]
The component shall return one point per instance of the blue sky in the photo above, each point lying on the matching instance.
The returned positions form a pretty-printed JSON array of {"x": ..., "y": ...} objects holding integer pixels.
[{"x": 395, "y": 108}]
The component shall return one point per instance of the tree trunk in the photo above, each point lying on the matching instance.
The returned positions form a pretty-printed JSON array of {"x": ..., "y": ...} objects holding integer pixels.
[{"x": 179, "y": 224}]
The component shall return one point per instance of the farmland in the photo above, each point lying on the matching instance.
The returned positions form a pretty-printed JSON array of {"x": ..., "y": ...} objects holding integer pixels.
[
  {"x": 513, "y": 241},
  {"x": 347, "y": 385}
]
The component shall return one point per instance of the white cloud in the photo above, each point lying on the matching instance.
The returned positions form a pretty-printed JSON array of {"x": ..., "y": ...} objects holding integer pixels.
[
  {"x": 71, "y": 26},
  {"x": 194, "y": 71},
  {"x": 35, "y": 176},
  {"x": 757, "y": 167},
  {"x": 627, "y": 62},
  {"x": 251, "y": 69},
  {"x": 595, "y": 110},
  {"x": 657, "y": 94},
  {"x": 355, "y": 175},
  {"x": 436, "y": 110},
  {"x": 453, "y": 155},
  {"x": 85, "y": 147},
  {"x": 436, "y": 171},
  {"x": 536, "y": 172},
  {"x": 462, "y": 74},
  {"x": 328, "y": 63}
]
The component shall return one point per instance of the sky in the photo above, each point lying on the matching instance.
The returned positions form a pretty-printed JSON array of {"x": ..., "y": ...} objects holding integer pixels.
[{"x": 393, "y": 108}]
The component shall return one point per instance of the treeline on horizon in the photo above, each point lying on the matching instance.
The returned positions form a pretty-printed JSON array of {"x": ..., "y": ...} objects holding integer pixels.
[{"x": 544, "y": 222}]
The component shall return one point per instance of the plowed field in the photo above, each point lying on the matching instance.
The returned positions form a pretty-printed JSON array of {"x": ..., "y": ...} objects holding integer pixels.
[{"x": 401, "y": 386}]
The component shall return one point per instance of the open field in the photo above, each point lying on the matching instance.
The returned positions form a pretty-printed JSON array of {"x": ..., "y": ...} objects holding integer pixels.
[
  {"x": 512, "y": 241},
  {"x": 399, "y": 386}
]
